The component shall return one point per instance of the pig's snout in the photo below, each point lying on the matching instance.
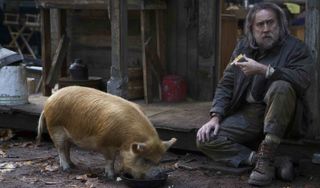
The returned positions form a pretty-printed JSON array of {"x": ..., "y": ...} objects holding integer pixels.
[
  {"x": 151, "y": 173},
  {"x": 134, "y": 174}
]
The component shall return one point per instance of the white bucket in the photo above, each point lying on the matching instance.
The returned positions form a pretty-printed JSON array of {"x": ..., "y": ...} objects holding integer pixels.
[{"x": 13, "y": 85}]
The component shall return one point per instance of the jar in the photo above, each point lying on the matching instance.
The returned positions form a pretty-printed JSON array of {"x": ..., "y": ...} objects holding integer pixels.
[{"x": 78, "y": 70}]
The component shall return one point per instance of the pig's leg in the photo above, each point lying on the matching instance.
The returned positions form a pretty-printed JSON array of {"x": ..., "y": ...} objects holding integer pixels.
[
  {"x": 62, "y": 143},
  {"x": 109, "y": 168}
]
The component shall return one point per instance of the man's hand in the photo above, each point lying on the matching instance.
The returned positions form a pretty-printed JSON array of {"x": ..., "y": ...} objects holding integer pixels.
[
  {"x": 203, "y": 133},
  {"x": 250, "y": 67}
]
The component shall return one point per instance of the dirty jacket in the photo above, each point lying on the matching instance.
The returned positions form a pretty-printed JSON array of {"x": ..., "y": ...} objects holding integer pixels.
[{"x": 292, "y": 62}]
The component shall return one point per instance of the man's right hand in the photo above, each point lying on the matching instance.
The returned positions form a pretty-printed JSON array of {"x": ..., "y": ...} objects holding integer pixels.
[{"x": 203, "y": 133}]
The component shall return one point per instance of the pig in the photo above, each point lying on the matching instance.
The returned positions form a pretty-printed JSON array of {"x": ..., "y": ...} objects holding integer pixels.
[{"x": 102, "y": 122}]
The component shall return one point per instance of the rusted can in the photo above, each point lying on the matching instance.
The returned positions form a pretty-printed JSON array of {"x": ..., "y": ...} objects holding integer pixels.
[{"x": 174, "y": 88}]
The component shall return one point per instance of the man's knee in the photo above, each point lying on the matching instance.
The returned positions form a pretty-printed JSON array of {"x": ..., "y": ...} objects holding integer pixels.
[
  {"x": 280, "y": 87},
  {"x": 212, "y": 144}
]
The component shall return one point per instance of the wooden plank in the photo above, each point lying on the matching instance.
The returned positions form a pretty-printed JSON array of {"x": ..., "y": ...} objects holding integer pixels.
[
  {"x": 147, "y": 77},
  {"x": 312, "y": 38},
  {"x": 62, "y": 25},
  {"x": 58, "y": 59},
  {"x": 192, "y": 52},
  {"x": 73, "y": 4},
  {"x": 161, "y": 38},
  {"x": 172, "y": 35},
  {"x": 153, "y": 62},
  {"x": 181, "y": 68},
  {"x": 208, "y": 46},
  {"x": 228, "y": 33},
  {"x": 99, "y": 4},
  {"x": 18, "y": 121},
  {"x": 46, "y": 49}
]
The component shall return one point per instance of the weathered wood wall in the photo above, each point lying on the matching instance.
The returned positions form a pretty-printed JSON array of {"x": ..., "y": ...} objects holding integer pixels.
[
  {"x": 90, "y": 35},
  {"x": 192, "y": 46},
  {"x": 312, "y": 39},
  {"x": 191, "y": 43}
]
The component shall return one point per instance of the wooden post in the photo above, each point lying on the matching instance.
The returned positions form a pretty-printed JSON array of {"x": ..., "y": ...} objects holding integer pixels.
[
  {"x": 118, "y": 82},
  {"x": 161, "y": 38},
  {"x": 145, "y": 36},
  {"x": 208, "y": 50},
  {"x": 62, "y": 23},
  {"x": 312, "y": 39},
  {"x": 46, "y": 49}
]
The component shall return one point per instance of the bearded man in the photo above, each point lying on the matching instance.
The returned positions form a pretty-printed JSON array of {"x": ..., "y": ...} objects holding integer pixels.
[{"x": 257, "y": 98}]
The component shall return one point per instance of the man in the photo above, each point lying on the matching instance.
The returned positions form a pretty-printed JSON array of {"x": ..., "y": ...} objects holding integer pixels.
[{"x": 258, "y": 95}]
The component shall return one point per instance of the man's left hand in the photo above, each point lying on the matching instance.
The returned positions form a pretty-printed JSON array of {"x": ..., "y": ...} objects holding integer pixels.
[{"x": 251, "y": 67}]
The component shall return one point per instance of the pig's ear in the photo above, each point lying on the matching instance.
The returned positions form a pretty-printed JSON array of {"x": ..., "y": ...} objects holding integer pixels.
[
  {"x": 138, "y": 147},
  {"x": 168, "y": 144}
]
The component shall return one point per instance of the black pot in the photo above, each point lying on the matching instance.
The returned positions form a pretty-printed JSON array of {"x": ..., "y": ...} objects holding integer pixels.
[{"x": 78, "y": 70}]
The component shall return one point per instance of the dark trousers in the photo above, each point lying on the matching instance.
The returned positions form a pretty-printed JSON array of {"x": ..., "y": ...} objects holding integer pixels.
[{"x": 248, "y": 126}]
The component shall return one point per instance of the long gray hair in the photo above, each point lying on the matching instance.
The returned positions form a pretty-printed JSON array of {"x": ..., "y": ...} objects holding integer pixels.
[{"x": 281, "y": 17}]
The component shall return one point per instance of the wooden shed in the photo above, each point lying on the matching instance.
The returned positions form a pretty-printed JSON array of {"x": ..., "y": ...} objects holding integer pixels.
[
  {"x": 178, "y": 40},
  {"x": 189, "y": 38}
]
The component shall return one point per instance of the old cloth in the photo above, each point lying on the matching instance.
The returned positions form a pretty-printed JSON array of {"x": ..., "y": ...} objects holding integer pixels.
[{"x": 243, "y": 122}]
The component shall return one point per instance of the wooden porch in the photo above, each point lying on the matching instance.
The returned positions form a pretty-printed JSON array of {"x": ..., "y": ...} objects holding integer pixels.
[{"x": 180, "y": 120}]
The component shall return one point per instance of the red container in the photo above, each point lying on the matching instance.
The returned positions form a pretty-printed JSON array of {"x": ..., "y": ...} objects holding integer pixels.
[{"x": 174, "y": 88}]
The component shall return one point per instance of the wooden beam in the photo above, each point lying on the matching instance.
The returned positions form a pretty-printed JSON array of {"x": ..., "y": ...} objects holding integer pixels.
[
  {"x": 99, "y": 4},
  {"x": 161, "y": 38},
  {"x": 62, "y": 25},
  {"x": 45, "y": 49},
  {"x": 118, "y": 82},
  {"x": 208, "y": 47},
  {"x": 73, "y": 4},
  {"x": 145, "y": 36},
  {"x": 58, "y": 59},
  {"x": 312, "y": 39}
]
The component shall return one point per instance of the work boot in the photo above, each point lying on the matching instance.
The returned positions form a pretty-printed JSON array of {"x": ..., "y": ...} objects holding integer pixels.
[{"x": 264, "y": 171}]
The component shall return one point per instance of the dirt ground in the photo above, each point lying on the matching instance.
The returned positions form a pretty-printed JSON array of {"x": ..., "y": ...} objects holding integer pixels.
[{"x": 23, "y": 164}]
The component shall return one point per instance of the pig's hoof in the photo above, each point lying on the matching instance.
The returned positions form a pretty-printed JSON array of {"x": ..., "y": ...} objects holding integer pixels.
[
  {"x": 68, "y": 167},
  {"x": 109, "y": 176}
]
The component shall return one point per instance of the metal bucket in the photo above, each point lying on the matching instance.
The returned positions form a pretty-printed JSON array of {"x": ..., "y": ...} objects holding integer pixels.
[{"x": 13, "y": 85}]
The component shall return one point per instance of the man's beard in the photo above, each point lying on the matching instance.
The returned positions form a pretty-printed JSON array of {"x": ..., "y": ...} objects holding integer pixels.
[{"x": 267, "y": 43}]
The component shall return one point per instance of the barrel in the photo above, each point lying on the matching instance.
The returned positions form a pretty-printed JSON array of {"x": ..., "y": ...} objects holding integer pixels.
[
  {"x": 174, "y": 88},
  {"x": 135, "y": 83},
  {"x": 13, "y": 85}
]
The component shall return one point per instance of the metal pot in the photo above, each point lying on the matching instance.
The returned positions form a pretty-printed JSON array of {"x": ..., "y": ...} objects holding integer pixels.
[
  {"x": 13, "y": 85},
  {"x": 78, "y": 70}
]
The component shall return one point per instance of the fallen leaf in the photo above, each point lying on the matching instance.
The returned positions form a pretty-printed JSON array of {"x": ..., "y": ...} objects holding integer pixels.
[
  {"x": 27, "y": 163},
  {"x": 92, "y": 182},
  {"x": 51, "y": 168},
  {"x": 50, "y": 183},
  {"x": 27, "y": 144},
  {"x": 2, "y": 154},
  {"x": 5, "y": 146},
  {"x": 82, "y": 178},
  {"x": 7, "y": 167},
  {"x": 29, "y": 179},
  {"x": 6, "y": 134},
  {"x": 91, "y": 175},
  {"x": 243, "y": 178}
]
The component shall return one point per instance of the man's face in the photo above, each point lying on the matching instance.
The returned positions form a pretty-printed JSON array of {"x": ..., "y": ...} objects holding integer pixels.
[{"x": 265, "y": 29}]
